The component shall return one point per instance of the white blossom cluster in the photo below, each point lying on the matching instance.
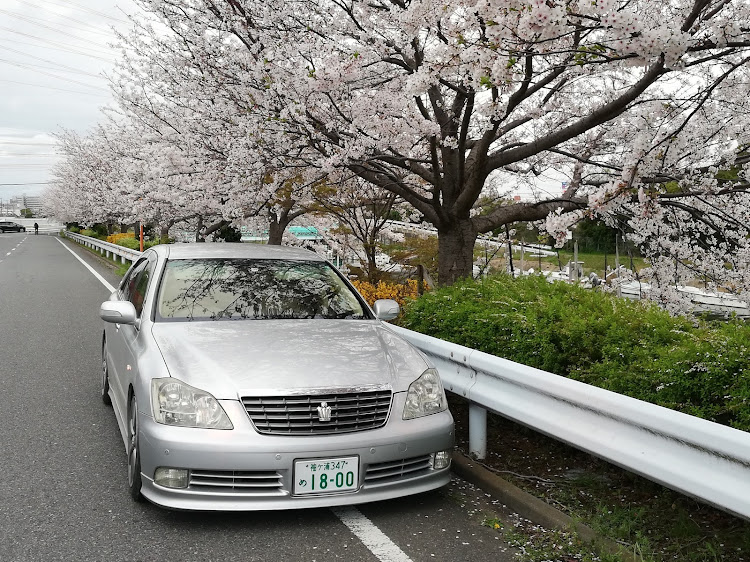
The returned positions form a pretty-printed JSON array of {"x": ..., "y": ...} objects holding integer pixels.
[{"x": 233, "y": 109}]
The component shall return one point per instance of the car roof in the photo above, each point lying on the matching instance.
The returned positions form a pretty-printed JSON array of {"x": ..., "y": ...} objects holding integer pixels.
[{"x": 233, "y": 250}]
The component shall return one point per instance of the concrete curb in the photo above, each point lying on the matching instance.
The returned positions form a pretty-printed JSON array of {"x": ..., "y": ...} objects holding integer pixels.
[{"x": 531, "y": 507}]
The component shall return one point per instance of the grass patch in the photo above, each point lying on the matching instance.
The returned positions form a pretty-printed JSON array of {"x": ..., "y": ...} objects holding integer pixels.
[{"x": 115, "y": 262}]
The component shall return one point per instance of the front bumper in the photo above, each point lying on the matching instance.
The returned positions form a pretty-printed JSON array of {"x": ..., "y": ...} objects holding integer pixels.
[{"x": 241, "y": 470}]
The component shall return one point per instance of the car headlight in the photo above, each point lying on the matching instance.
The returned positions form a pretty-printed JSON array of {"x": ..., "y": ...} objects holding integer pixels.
[
  {"x": 176, "y": 403},
  {"x": 425, "y": 396}
]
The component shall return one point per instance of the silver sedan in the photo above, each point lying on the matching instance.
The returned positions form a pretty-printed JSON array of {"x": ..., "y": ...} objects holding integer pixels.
[{"x": 249, "y": 377}]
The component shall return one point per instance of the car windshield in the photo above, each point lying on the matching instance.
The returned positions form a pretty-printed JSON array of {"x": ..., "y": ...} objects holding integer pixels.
[{"x": 239, "y": 289}]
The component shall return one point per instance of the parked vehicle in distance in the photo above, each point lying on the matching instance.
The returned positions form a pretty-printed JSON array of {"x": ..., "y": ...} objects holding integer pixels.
[
  {"x": 7, "y": 226},
  {"x": 248, "y": 376}
]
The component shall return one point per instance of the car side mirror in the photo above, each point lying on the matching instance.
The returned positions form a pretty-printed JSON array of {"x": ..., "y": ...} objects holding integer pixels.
[
  {"x": 118, "y": 312},
  {"x": 386, "y": 309}
]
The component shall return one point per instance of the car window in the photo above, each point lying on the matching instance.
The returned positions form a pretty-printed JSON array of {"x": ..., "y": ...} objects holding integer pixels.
[
  {"x": 125, "y": 284},
  {"x": 135, "y": 285},
  {"x": 235, "y": 289}
]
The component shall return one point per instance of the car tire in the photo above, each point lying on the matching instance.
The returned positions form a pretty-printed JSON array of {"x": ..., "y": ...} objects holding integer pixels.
[
  {"x": 134, "y": 452},
  {"x": 105, "y": 377}
]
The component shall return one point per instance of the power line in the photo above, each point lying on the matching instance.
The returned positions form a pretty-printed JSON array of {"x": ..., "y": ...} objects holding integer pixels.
[
  {"x": 56, "y": 64},
  {"x": 30, "y": 183},
  {"x": 14, "y": 154},
  {"x": 51, "y": 42},
  {"x": 87, "y": 9},
  {"x": 27, "y": 67},
  {"x": 95, "y": 27},
  {"x": 52, "y": 88},
  {"x": 34, "y": 21},
  {"x": 63, "y": 49},
  {"x": 26, "y": 164},
  {"x": 29, "y": 143}
]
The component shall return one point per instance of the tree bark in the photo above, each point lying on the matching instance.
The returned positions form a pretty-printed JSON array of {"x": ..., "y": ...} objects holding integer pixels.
[
  {"x": 279, "y": 221},
  {"x": 456, "y": 251},
  {"x": 275, "y": 231}
]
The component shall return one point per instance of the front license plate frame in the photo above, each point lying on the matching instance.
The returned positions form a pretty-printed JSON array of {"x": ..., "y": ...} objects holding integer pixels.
[{"x": 330, "y": 475}]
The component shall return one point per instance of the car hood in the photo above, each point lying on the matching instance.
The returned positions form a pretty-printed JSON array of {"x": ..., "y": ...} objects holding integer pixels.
[{"x": 230, "y": 359}]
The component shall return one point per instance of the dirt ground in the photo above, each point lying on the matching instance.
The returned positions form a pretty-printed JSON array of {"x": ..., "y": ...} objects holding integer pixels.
[{"x": 618, "y": 504}]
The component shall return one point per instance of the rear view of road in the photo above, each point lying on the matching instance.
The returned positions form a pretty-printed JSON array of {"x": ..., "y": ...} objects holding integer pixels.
[{"x": 63, "y": 491}]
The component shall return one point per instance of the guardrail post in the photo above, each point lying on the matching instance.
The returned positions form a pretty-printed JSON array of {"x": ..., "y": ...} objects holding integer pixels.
[{"x": 477, "y": 432}]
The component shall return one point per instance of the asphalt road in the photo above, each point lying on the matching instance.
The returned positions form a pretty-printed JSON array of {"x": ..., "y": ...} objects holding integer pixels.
[{"x": 63, "y": 484}]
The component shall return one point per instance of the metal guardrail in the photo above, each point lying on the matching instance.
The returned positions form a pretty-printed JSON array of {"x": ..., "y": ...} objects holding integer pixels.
[
  {"x": 481, "y": 239},
  {"x": 105, "y": 248},
  {"x": 693, "y": 456}
]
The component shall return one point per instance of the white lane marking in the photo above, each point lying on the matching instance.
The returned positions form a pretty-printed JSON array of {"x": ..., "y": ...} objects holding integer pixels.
[
  {"x": 372, "y": 537},
  {"x": 91, "y": 269}
]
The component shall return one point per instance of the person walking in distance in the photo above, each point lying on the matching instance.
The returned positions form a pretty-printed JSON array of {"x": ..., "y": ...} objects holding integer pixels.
[{"x": 36, "y": 228}]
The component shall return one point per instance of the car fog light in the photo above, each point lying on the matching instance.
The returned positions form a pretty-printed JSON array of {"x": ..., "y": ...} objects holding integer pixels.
[
  {"x": 440, "y": 460},
  {"x": 171, "y": 477}
]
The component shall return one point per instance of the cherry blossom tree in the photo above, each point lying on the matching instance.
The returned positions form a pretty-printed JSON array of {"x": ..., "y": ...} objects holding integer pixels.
[
  {"x": 428, "y": 100},
  {"x": 641, "y": 106},
  {"x": 87, "y": 179},
  {"x": 362, "y": 210}
]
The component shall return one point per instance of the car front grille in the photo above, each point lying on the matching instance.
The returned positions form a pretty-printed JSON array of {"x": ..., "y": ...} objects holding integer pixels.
[
  {"x": 298, "y": 415},
  {"x": 237, "y": 481},
  {"x": 385, "y": 472}
]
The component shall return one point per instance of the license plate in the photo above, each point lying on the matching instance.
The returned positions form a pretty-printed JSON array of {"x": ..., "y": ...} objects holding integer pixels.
[{"x": 325, "y": 476}]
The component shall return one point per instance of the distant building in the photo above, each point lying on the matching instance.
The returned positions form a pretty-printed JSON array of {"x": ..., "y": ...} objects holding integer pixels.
[{"x": 26, "y": 202}]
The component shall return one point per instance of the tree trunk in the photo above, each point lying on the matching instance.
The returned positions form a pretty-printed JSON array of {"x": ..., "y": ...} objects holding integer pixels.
[
  {"x": 278, "y": 222},
  {"x": 199, "y": 236},
  {"x": 275, "y": 232},
  {"x": 455, "y": 251},
  {"x": 371, "y": 249}
]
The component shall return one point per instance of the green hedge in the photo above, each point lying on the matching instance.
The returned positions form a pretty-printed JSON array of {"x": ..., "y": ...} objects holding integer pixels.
[
  {"x": 629, "y": 347},
  {"x": 135, "y": 244},
  {"x": 91, "y": 234}
]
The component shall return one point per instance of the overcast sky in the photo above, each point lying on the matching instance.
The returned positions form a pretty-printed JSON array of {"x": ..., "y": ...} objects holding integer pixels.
[
  {"x": 53, "y": 58},
  {"x": 54, "y": 55}
]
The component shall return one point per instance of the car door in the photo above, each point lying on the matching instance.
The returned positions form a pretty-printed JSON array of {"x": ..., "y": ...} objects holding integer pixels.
[{"x": 123, "y": 339}]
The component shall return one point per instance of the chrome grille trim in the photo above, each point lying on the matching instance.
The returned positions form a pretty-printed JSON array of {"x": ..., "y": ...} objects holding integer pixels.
[
  {"x": 297, "y": 415},
  {"x": 256, "y": 482},
  {"x": 403, "y": 469}
]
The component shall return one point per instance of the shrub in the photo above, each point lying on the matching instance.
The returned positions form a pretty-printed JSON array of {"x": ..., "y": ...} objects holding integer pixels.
[
  {"x": 135, "y": 244},
  {"x": 101, "y": 230},
  {"x": 90, "y": 233},
  {"x": 129, "y": 242},
  {"x": 115, "y": 238},
  {"x": 629, "y": 347},
  {"x": 400, "y": 292}
]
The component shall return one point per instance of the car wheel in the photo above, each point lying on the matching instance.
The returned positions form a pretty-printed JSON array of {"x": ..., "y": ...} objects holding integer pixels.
[
  {"x": 105, "y": 377},
  {"x": 134, "y": 453}
]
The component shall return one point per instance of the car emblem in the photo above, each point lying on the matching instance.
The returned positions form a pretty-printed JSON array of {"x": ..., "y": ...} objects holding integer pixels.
[{"x": 324, "y": 412}]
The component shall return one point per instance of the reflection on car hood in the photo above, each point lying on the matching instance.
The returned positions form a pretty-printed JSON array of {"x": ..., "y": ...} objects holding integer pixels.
[{"x": 255, "y": 357}]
